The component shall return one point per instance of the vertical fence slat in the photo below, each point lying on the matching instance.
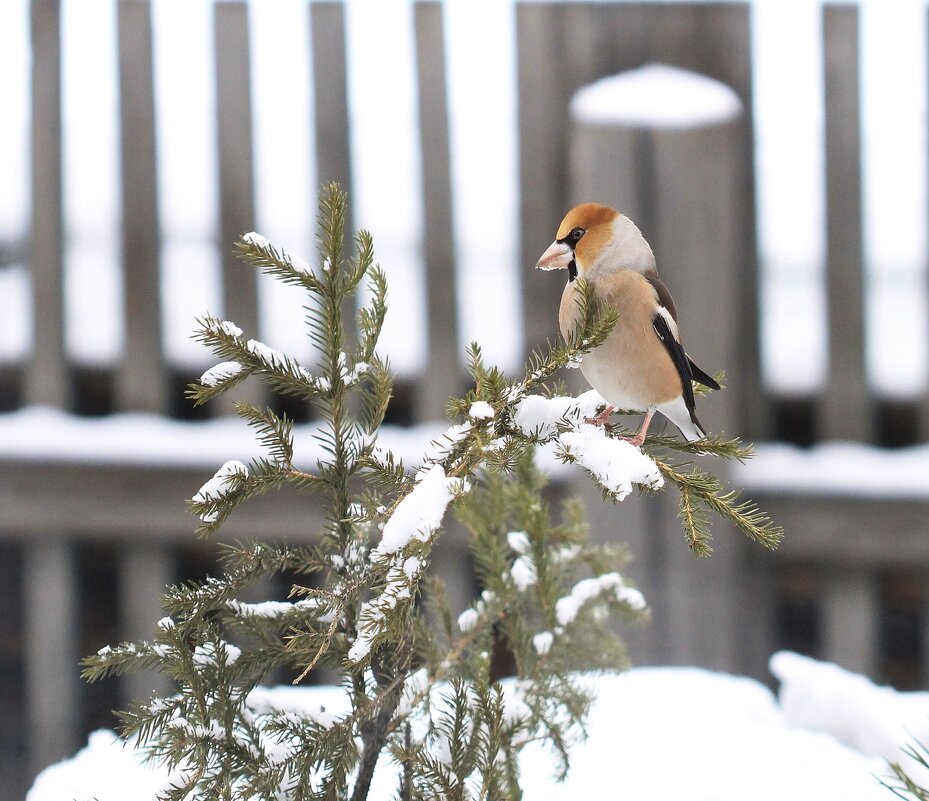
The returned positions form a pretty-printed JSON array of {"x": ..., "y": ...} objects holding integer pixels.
[
  {"x": 714, "y": 40},
  {"x": 50, "y": 600},
  {"x": 543, "y": 92},
  {"x": 47, "y": 379},
  {"x": 850, "y": 619},
  {"x": 698, "y": 214},
  {"x": 330, "y": 112},
  {"x": 236, "y": 180},
  {"x": 443, "y": 377},
  {"x": 144, "y": 571},
  {"x": 330, "y": 94},
  {"x": 845, "y": 407},
  {"x": 141, "y": 382},
  {"x": 687, "y": 189}
]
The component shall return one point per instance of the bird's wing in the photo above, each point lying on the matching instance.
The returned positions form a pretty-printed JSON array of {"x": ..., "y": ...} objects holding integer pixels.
[
  {"x": 662, "y": 323},
  {"x": 665, "y": 299},
  {"x": 700, "y": 377}
]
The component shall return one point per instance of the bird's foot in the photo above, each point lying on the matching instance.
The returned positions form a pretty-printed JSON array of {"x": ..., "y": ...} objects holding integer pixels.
[
  {"x": 601, "y": 419},
  {"x": 635, "y": 441}
]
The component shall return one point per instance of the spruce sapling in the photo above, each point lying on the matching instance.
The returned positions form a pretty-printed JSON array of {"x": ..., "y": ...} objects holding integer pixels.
[{"x": 419, "y": 683}]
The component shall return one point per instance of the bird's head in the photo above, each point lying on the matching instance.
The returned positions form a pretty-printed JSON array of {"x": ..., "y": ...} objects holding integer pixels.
[{"x": 593, "y": 237}]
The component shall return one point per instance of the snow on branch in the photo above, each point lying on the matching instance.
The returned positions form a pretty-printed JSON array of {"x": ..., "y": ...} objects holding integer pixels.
[
  {"x": 227, "y": 480},
  {"x": 415, "y": 519},
  {"x": 222, "y": 372},
  {"x": 614, "y": 463},
  {"x": 277, "y": 254},
  {"x": 586, "y": 590},
  {"x": 419, "y": 515}
]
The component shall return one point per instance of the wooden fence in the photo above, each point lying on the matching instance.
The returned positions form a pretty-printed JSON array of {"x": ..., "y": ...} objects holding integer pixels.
[{"x": 824, "y": 591}]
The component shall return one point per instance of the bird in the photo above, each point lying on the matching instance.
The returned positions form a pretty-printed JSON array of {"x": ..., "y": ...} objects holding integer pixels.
[{"x": 641, "y": 366}]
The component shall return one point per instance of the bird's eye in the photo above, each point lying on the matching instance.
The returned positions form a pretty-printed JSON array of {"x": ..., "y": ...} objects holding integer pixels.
[{"x": 577, "y": 233}]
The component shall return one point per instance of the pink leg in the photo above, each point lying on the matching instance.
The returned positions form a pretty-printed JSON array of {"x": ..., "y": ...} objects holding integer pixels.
[
  {"x": 601, "y": 419},
  {"x": 639, "y": 438}
]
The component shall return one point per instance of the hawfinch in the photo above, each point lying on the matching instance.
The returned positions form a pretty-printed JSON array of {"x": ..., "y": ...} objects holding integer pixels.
[{"x": 642, "y": 365}]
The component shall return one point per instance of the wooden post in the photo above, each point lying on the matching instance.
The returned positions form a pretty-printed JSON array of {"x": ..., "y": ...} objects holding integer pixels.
[
  {"x": 632, "y": 525},
  {"x": 682, "y": 182},
  {"x": 236, "y": 184},
  {"x": 850, "y": 619},
  {"x": 141, "y": 381},
  {"x": 443, "y": 377},
  {"x": 145, "y": 569},
  {"x": 330, "y": 111},
  {"x": 47, "y": 380},
  {"x": 845, "y": 409},
  {"x": 555, "y": 53},
  {"x": 330, "y": 94},
  {"x": 51, "y": 670}
]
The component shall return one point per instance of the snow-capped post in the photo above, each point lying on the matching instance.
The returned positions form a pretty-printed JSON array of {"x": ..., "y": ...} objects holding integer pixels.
[
  {"x": 667, "y": 146},
  {"x": 420, "y": 694}
]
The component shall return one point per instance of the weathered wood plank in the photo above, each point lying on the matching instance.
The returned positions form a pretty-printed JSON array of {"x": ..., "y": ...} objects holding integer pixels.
[
  {"x": 236, "y": 180},
  {"x": 46, "y": 377},
  {"x": 129, "y": 504},
  {"x": 850, "y": 620},
  {"x": 845, "y": 410},
  {"x": 330, "y": 112},
  {"x": 684, "y": 187},
  {"x": 849, "y": 530},
  {"x": 442, "y": 379},
  {"x": 52, "y": 686},
  {"x": 543, "y": 92},
  {"x": 330, "y": 94},
  {"x": 714, "y": 40},
  {"x": 141, "y": 381},
  {"x": 145, "y": 569},
  {"x": 697, "y": 242},
  {"x": 633, "y": 525}
]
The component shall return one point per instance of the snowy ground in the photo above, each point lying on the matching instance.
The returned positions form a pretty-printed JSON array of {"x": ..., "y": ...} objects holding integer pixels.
[{"x": 655, "y": 733}]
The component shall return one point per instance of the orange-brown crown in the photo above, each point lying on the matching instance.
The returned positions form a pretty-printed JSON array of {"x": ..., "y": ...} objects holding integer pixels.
[
  {"x": 586, "y": 216},
  {"x": 597, "y": 222}
]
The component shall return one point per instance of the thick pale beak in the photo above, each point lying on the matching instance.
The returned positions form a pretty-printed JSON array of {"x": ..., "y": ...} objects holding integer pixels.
[{"x": 557, "y": 257}]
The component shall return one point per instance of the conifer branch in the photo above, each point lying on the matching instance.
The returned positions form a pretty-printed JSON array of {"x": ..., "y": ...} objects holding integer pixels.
[{"x": 698, "y": 487}]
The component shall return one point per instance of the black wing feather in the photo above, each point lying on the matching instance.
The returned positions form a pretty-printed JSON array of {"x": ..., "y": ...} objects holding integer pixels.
[
  {"x": 700, "y": 377},
  {"x": 681, "y": 362}
]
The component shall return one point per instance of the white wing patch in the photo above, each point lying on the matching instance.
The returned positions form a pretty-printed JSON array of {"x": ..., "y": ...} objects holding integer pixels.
[{"x": 662, "y": 311}]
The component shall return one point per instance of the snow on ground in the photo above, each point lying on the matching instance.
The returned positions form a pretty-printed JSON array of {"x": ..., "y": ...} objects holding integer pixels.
[
  {"x": 872, "y": 720},
  {"x": 655, "y": 734}
]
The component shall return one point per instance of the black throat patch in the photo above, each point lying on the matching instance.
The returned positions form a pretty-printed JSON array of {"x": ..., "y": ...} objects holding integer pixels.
[{"x": 572, "y": 271}]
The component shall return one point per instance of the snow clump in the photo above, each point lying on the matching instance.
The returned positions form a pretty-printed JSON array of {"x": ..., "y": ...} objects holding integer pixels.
[
  {"x": 538, "y": 416},
  {"x": 481, "y": 410},
  {"x": 614, "y": 463},
  {"x": 223, "y": 482},
  {"x": 568, "y": 606},
  {"x": 543, "y": 642},
  {"x": 420, "y": 513},
  {"x": 221, "y": 372}
]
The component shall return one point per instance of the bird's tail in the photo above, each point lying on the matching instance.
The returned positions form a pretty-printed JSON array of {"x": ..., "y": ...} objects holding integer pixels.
[{"x": 685, "y": 419}]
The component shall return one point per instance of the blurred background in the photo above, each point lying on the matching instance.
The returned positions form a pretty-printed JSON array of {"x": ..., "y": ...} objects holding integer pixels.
[{"x": 777, "y": 163}]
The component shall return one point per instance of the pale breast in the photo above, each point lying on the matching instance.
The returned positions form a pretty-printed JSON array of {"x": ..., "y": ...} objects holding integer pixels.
[{"x": 631, "y": 369}]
